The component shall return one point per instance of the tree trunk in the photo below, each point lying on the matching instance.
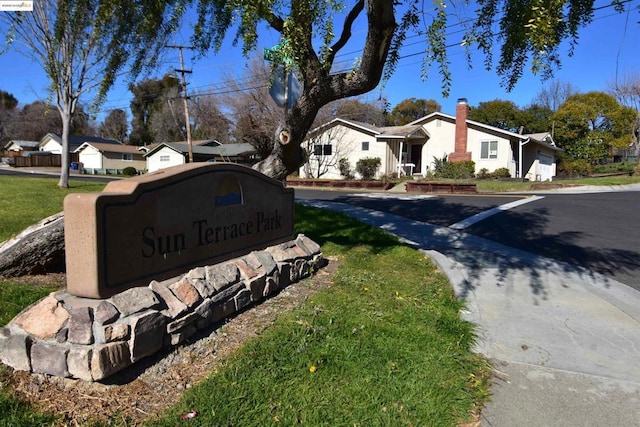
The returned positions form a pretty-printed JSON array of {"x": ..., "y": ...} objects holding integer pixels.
[
  {"x": 36, "y": 250},
  {"x": 64, "y": 155}
]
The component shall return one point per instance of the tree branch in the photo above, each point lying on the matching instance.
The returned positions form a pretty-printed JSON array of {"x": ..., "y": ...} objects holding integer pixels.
[{"x": 346, "y": 30}]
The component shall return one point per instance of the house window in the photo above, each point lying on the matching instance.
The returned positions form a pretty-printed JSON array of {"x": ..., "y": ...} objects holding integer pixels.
[
  {"x": 489, "y": 150},
  {"x": 322, "y": 150},
  {"x": 165, "y": 158},
  {"x": 127, "y": 157},
  {"x": 365, "y": 145}
]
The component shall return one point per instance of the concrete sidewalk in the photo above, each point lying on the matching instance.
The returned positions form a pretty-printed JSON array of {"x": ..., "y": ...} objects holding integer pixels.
[{"x": 564, "y": 341}]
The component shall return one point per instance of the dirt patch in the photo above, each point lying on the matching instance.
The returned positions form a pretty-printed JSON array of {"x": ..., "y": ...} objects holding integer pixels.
[{"x": 157, "y": 382}]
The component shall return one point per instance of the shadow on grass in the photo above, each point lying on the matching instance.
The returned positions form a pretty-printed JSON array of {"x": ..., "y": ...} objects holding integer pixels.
[{"x": 340, "y": 230}]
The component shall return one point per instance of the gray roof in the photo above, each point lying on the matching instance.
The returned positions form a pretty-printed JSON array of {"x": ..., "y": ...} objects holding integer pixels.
[
  {"x": 76, "y": 141},
  {"x": 225, "y": 150},
  {"x": 21, "y": 143}
]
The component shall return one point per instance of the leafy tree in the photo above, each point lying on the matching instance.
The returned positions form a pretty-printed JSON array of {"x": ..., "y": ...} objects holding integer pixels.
[
  {"x": 7, "y": 101},
  {"x": 590, "y": 125},
  {"x": 501, "y": 114},
  {"x": 412, "y": 109},
  {"x": 167, "y": 120},
  {"x": 8, "y": 104},
  {"x": 536, "y": 118},
  {"x": 530, "y": 33},
  {"x": 115, "y": 125},
  {"x": 83, "y": 45},
  {"x": 82, "y": 123},
  {"x": 150, "y": 97}
]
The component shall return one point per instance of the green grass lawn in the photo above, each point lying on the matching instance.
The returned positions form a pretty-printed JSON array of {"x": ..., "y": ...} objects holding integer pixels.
[
  {"x": 515, "y": 186},
  {"x": 384, "y": 345},
  {"x": 26, "y": 201}
]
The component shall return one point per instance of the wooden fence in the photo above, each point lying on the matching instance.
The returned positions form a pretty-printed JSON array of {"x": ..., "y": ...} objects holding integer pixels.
[{"x": 42, "y": 160}]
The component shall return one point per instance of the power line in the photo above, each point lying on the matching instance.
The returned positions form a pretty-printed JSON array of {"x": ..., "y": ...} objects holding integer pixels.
[{"x": 251, "y": 83}]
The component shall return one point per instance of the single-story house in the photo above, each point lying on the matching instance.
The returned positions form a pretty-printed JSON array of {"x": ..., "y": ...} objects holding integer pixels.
[
  {"x": 17, "y": 147},
  {"x": 169, "y": 154},
  {"x": 411, "y": 149},
  {"x": 52, "y": 142},
  {"x": 98, "y": 155}
]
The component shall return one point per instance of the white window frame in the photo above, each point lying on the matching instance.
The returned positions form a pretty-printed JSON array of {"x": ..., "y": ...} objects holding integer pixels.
[
  {"x": 486, "y": 151},
  {"x": 165, "y": 158},
  {"x": 127, "y": 157}
]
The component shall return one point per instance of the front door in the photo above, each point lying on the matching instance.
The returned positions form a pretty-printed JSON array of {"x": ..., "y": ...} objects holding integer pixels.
[{"x": 416, "y": 157}]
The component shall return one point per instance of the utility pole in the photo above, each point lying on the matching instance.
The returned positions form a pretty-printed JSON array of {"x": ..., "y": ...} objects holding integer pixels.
[{"x": 187, "y": 120}]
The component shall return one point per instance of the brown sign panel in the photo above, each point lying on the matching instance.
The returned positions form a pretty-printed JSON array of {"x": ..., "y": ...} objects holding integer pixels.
[{"x": 162, "y": 224}]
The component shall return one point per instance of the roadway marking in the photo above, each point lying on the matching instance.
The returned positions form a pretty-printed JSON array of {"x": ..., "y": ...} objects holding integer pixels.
[
  {"x": 486, "y": 214},
  {"x": 395, "y": 196}
]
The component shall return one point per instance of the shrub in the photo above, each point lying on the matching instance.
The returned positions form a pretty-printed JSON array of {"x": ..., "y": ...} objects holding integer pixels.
[
  {"x": 129, "y": 171},
  {"x": 501, "y": 173},
  {"x": 393, "y": 177},
  {"x": 577, "y": 167},
  {"x": 368, "y": 167},
  {"x": 457, "y": 170},
  {"x": 614, "y": 167},
  {"x": 345, "y": 169},
  {"x": 483, "y": 174}
]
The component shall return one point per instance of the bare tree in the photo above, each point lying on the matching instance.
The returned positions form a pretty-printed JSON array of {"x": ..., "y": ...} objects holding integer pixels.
[
  {"x": 554, "y": 94},
  {"x": 115, "y": 125},
  {"x": 324, "y": 151},
  {"x": 83, "y": 45},
  {"x": 627, "y": 93},
  {"x": 254, "y": 115},
  {"x": 208, "y": 120},
  {"x": 35, "y": 120}
]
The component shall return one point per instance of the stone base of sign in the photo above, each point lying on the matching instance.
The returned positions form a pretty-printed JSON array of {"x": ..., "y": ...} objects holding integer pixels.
[{"x": 90, "y": 339}]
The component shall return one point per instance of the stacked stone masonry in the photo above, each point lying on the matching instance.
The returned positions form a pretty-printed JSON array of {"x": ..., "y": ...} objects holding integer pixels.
[{"x": 91, "y": 339}]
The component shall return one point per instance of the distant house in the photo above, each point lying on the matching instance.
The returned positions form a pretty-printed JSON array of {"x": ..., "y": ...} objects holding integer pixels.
[
  {"x": 98, "y": 155},
  {"x": 411, "y": 149},
  {"x": 18, "y": 148},
  {"x": 52, "y": 142},
  {"x": 169, "y": 154}
]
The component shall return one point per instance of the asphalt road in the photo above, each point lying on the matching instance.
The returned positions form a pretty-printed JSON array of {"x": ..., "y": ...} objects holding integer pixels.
[{"x": 597, "y": 231}]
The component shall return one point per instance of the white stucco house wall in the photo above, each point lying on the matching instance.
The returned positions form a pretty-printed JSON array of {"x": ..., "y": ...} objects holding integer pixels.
[
  {"x": 169, "y": 154},
  {"x": 96, "y": 155},
  {"x": 411, "y": 149},
  {"x": 166, "y": 155}
]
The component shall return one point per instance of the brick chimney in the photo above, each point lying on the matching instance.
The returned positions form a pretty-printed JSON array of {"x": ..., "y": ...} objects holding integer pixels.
[{"x": 462, "y": 113}]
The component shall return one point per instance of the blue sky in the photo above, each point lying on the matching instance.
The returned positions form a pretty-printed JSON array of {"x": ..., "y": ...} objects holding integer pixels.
[{"x": 608, "y": 47}]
